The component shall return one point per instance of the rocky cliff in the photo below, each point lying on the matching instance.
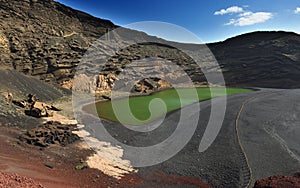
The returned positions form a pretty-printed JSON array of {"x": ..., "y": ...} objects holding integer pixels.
[
  {"x": 47, "y": 40},
  {"x": 44, "y": 38}
]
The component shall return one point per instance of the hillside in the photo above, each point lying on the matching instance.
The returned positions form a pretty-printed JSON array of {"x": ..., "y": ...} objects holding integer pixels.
[
  {"x": 44, "y": 38},
  {"x": 50, "y": 49},
  {"x": 262, "y": 59}
]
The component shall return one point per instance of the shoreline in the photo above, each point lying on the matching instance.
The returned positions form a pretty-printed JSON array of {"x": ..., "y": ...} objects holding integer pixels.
[{"x": 92, "y": 105}]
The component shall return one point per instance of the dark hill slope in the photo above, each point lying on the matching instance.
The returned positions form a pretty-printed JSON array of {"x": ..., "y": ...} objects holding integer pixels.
[
  {"x": 21, "y": 85},
  {"x": 263, "y": 59}
]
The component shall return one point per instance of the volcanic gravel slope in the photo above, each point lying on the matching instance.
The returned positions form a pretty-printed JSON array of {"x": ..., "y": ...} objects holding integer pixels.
[
  {"x": 21, "y": 85},
  {"x": 270, "y": 132},
  {"x": 267, "y": 131},
  {"x": 260, "y": 59}
]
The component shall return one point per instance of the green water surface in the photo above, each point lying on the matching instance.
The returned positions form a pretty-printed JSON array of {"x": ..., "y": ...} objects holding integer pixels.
[{"x": 139, "y": 110}]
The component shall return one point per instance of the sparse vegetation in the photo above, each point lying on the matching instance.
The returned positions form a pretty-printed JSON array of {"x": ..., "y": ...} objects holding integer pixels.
[{"x": 80, "y": 167}]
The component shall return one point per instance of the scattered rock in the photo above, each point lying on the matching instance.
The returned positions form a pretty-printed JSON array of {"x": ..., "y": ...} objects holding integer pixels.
[
  {"x": 34, "y": 112},
  {"x": 34, "y": 108},
  {"x": 51, "y": 133},
  {"x": 21, "y": 104},
  {"x": 150, "y": 84},
  {"x": 49, "y": 166}
]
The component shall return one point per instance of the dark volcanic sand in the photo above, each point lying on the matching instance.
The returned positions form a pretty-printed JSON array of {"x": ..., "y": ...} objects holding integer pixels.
[{"x": 221, "y": 165}]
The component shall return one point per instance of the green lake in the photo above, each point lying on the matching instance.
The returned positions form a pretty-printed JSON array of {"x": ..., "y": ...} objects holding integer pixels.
[{"x": 138, "y": 110}]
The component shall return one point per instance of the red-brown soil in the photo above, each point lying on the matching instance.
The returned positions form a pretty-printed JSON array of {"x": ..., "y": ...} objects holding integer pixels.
[
  {"x": 54, "y": 166},
  {"x": 278, "y": 182},
  {"x": 14, "y": 180},
  {"x": 31, "y": 162}
]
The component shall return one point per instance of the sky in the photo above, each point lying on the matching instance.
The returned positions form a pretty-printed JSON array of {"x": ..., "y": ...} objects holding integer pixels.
[{"x": 209, "y": 20}]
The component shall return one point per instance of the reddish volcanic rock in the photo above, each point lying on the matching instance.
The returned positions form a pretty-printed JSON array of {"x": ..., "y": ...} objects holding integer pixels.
[
  {"x": 14, "y": 180},
  {"x": 279, "y": 182}
]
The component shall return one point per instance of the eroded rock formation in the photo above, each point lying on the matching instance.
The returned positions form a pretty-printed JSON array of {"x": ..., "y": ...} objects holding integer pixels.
[
  {"x": 45, "y": 38},
  {"x": 50, "y": 133}
]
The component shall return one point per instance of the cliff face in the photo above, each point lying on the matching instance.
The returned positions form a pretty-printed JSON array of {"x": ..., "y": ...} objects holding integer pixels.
[
  {"x": 47, "y": 40},
  {"x": 44, "y": 38}
]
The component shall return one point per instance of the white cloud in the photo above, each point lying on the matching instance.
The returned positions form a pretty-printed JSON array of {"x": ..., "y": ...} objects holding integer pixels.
[
  {"x": 245, "y": 14},
  {"x": 250, "y": 18},
  {"x": 231, "y": 22},
  {"x": 297, "y": 11},
  {"x": 233, "y": 9},
  {"x": 245, "y": 18}
]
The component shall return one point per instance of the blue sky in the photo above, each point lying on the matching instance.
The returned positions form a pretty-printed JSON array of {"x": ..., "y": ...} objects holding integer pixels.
[{"x": 210, "y": 20}]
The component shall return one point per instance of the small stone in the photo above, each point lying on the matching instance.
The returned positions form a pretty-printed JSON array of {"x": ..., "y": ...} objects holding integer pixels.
[{"x": 49, "y": 166}]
